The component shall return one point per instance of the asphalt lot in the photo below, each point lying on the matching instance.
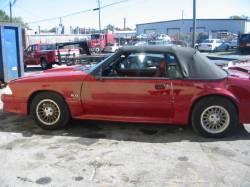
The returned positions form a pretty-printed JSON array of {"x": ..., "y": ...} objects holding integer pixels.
[{"x": 89, "y": 153}]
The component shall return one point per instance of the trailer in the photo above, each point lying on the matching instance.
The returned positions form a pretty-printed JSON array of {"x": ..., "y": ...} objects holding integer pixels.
[{"x": 84, "y": 59}]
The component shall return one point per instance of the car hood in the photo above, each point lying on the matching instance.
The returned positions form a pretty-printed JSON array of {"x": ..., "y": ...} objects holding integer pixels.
[{"x": 57, "y": 74}]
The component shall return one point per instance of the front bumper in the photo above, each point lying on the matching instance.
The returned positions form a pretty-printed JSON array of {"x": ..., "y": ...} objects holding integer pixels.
[{"x": 14, "y": 104}]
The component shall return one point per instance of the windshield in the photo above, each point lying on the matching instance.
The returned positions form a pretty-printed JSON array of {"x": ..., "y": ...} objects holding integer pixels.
[
  {"x": 208, "y": 41},
  {"x": 95, "y": 36},
  {"x": 245, "y": 37},
  {"x": 110, "y": 44},
  {"x": 95, "y": 66}
]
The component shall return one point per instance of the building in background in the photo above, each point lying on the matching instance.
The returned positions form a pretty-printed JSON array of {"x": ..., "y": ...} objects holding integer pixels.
[{"x": 182, "y": 28}]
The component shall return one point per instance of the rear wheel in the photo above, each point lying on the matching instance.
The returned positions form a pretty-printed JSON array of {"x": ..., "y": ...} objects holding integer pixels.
[
  {"x": 214, "y": 117},
  {"x": 45, "y": 65},
  {"x": 50, "y": 111}
]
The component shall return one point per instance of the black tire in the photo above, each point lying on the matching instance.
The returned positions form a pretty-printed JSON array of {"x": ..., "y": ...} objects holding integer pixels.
[
  {"x": 199, "y": 112},
  {"x": 242, "y": 51},
  {"x": 45, "y": 65},
  {"x": 63, "y": 116}
]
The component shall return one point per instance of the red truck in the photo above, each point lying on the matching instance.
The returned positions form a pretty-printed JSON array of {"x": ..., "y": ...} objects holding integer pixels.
[
  {"x": 45, "y": 55},
  {"x": 98, "y": 42}
]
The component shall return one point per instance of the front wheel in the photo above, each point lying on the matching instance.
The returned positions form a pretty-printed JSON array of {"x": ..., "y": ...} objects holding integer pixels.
[
  {"x": 50, "y": 111},
  {"x": 214, "y": 117},
  {"x": 98, "y": 50}
]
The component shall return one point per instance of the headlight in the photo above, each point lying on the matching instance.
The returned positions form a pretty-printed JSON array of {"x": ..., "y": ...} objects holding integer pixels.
[{"x": 8, "y": 91}]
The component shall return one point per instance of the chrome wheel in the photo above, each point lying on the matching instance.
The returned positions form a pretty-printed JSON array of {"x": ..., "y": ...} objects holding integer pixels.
[
  {"x": 215, "y": 119},
  {"x": 48, "y": 112}
]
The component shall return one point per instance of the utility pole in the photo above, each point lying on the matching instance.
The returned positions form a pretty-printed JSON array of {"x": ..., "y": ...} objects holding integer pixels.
[
  {"x": 99, "y": 8},
  {"x": 194, "y": 23},
  {"x": 10, "y": 11},
  {"x": 124, "y": 23}
]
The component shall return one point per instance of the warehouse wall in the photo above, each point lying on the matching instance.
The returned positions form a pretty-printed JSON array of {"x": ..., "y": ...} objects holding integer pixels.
[
  {"x": 203, "y": 25},
  {"x": 248, "y": 26}
]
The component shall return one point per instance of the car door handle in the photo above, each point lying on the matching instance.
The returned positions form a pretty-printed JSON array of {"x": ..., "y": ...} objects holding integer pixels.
[{"x": 161, "y": 86}]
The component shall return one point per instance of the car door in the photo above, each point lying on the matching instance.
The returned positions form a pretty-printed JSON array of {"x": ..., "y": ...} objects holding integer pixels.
[
  {"x": 132, "y": 87},
  {"x": 27, "y": 55},
  {"x": 30, "y": 55}
]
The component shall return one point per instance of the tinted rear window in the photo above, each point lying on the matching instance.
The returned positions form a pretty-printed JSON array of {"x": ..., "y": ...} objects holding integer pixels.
[{"x": 245, "y": 37}]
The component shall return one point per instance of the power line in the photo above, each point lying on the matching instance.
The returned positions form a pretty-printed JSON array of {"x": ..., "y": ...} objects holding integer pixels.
[
  {"x": 76, "y": 13},
  {"x": 115, "y": 3},
  {"x": 26, "y": 11}
]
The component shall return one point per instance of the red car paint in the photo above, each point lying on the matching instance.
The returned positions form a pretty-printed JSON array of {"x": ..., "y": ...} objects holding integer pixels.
[{"x": 136, "y": 100}]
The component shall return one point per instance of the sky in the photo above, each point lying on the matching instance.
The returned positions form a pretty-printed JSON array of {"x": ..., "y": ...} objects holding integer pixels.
[{"x": 135, "y": 11}]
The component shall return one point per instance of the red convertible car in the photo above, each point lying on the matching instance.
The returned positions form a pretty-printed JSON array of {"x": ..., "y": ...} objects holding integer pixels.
[{"x": 144, "y": 84}]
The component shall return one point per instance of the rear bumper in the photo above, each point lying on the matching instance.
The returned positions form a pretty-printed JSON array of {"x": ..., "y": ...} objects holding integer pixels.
[
  {"x": 14, "y": 104},
  {"x": 205, "y": 48}
]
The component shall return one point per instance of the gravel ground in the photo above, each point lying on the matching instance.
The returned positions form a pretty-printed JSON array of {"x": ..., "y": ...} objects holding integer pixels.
[{"x": 89, "y": 153}]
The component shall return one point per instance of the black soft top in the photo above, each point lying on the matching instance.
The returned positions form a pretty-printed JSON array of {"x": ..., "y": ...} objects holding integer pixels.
[{"x": 194, "y": 65}]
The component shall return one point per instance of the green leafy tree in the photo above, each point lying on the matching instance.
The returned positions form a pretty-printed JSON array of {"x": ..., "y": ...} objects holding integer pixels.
[
  {"x": 5, "y": 18},
  {"x": 110, "y": 27}
]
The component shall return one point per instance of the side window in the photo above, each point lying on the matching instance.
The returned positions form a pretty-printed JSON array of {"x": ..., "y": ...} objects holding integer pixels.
[
  {"x": 28, "y": 50},
  {"x": 173, "y": 69},
  {"x": 138, "y": 65},
  {"x": 33, "y": 48}
]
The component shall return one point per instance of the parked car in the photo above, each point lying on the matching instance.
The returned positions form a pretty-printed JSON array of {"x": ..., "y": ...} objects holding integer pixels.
[
  {"x": 45, "y": 55},
  {"x": 233, "y": 44},
  {"x": 141, "y": 43},
  {"x": 213, "y": 45},
  {"x": 111, "y": 48},
  {"x": 160, "y": 42},
  {"x": 163, "y": 37},
  {"x": 244, "y": 42},
  {"x": 146, "y": 84}
]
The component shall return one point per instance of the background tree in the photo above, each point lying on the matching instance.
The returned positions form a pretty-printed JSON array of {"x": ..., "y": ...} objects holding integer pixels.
[
  {"x": 5, "y": 18},
  {"x": 110, "y": 27},
  {"x": 238, "y": 17}
]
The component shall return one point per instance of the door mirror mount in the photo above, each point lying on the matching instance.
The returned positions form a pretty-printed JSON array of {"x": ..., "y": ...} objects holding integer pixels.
[{"x": 99, "y": 74}]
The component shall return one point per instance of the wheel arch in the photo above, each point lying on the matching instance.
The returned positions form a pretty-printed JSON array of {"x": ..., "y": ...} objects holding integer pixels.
[
  {"x": 35, "y": 93},
  {"x": 229, "y": 98}
]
